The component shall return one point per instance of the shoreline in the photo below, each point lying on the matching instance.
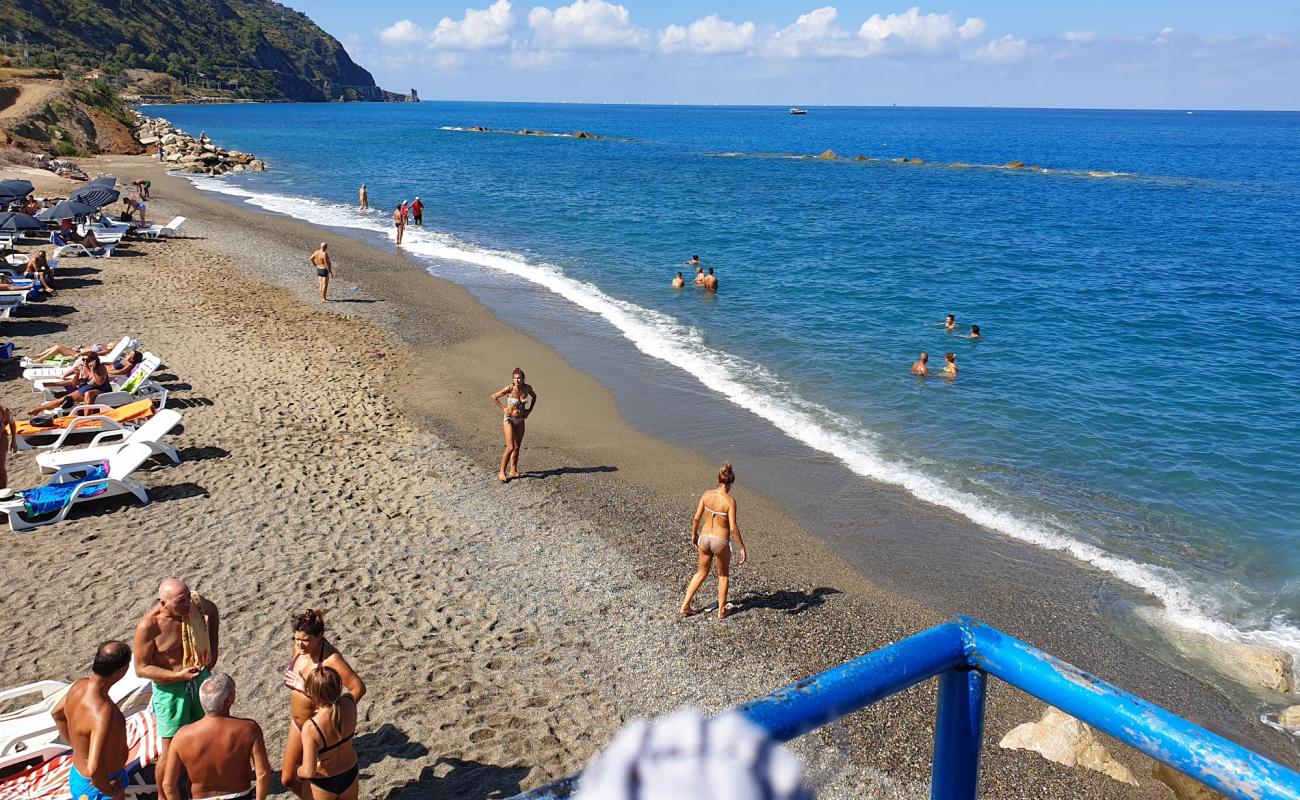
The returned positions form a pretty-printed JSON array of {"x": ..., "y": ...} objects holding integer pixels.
[
  {"x": 935, "y": 556},
  {"x": 1024, "y": 598},
  {"x": 580, "y": 561}
]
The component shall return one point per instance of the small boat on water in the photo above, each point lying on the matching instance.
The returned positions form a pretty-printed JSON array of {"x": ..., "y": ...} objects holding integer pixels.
[{"x": 798, "y": 112}]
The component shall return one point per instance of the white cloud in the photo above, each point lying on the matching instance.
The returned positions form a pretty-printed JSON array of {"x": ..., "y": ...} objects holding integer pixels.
[
  {"x": 1002, "y": 51},
  {"x": 708, "y": 35},
  {"x": 479, "y": 29},
  {"x": 912, "y": 29},
  {"x": 812, "y": 34},
  {"x": 817, "y": 35},
  {"x": 585, "y": 25},
  {"x": 1079, "y": 37},
  {"x": 402, "y": 32}
]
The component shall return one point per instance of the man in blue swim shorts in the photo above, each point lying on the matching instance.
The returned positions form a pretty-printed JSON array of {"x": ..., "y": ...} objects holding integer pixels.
[
  {"x": 176, "y": 648},
  {"x": 94, "y": 726}
]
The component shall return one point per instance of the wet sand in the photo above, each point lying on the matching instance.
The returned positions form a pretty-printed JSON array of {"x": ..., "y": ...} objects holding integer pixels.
[{"x": 343, "y": 456}]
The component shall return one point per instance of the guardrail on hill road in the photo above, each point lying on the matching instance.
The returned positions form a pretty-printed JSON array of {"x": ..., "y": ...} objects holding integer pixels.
[{"x": 963, "y": 654}]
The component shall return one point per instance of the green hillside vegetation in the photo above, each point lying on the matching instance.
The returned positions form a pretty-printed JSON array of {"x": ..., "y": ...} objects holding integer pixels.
[{"x": 255, "y": 49}]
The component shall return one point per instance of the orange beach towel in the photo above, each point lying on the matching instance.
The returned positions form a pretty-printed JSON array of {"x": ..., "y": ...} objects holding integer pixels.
[{"x": 131, "y": 412}]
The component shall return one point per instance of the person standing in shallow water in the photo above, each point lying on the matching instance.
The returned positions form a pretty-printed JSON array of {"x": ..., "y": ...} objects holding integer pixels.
[
  {"x": 921, "y": 367},
  {"x": 712, "y": 529},
  {"x": 519, "y": 401},
  {"x": 399, "y": 219},
  {"x": 324, "y": 269},
  {"x": 362, "y": 198},
  {"x": 679, "y": 281},
  {"x": 711, "y": 282},
  {"x": 950, "y": 368}
]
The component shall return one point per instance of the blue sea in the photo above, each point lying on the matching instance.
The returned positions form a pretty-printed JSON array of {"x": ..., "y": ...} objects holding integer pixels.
[{"x": 1134, "y": 401}]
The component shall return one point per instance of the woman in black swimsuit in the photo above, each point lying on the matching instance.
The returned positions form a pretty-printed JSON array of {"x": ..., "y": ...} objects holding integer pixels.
[
  {"x": 92, "y": 381},
  {"x": 312, "y": 652},
  {"x": 329, "y": 762}
]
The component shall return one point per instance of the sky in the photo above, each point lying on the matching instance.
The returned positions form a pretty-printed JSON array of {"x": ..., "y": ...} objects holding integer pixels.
[{"x": 1099, "y": 54}]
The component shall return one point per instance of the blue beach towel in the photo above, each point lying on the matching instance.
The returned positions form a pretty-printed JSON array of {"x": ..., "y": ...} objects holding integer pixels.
[{"x": 49, "y": 499}]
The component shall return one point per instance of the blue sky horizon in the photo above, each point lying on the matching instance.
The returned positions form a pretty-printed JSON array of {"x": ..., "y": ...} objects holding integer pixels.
[{"x": 985, "y": 53}]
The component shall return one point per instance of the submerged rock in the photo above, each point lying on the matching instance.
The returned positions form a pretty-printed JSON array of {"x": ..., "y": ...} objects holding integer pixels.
[
  {"x": 1251, "y": 664},
  {"x": 1015, "y": 165},
  {"x": 828, "y": 154},
  {"x": 1061, "y": 738},
  {"x": 1289, "y": 718}
]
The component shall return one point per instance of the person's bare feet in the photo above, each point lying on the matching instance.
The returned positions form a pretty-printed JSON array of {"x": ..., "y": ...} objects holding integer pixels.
[
  {"x": 502, "y": 477},
  {"x": 724, "y": 609},
  {"x": 514, "y": 473},
  {"x": 687, "y": 611}
]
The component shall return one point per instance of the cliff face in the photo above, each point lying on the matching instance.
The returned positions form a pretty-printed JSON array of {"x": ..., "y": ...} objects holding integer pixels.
[{"x": 254, "y": 49}]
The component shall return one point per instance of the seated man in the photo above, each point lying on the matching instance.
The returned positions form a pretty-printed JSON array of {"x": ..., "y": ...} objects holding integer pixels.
[{"x": 216, "y": 751}]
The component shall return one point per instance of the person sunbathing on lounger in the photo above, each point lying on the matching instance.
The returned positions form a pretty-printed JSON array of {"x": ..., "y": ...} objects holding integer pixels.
[
  {"x": 95, "y": 381},
  {"x": 67, "y": 352}
]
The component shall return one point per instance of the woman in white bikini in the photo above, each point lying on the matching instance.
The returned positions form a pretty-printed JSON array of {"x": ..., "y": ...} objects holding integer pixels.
[
  {"x": 519, "y": 401},
  {"x": 712, "y": 540},
  {"x": 311, "y": 651}
]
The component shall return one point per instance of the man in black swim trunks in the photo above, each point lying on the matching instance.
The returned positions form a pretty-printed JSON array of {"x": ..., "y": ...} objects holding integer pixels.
[
  {"x": 324, "y": 269},
  {"x": 215, "y": 751}
]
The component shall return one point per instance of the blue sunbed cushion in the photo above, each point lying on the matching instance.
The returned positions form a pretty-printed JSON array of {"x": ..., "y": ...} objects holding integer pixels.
[{"x": 50, "y": 498}]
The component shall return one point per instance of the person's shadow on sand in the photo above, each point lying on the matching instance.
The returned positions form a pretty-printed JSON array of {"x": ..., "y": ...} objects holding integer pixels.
[
  {"x": 550, "y": 473},
  {"x": 470, "y": 780},
  {"x": 389, "y": 741},
  {"x": 786, "y": 601}
]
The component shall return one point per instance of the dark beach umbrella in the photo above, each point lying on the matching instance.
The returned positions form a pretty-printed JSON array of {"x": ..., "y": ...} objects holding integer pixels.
[
  {"x": 15, "y": 188},
  {"x": 13, "y": 221},
  {"x": 66, "y": 210},
  {"x": 97, "y": 196},
  {"x": 107, "y": 181}
]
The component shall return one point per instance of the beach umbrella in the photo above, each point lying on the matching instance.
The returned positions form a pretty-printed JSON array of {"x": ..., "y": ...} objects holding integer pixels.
[
  {"x": 107, "y": 181},
  {"x": 97, "y": 196},
  {"x": 15, "y": 188},
  {"x": 13, "y": 221},
  {"x": 67, "y": 209}
]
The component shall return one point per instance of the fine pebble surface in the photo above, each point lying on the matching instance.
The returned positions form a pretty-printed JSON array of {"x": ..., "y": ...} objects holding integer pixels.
[{"x": 505, "y": 633}]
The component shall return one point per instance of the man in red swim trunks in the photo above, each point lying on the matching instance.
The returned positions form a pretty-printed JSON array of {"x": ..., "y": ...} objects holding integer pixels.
[{"x": 417, "y": 211}]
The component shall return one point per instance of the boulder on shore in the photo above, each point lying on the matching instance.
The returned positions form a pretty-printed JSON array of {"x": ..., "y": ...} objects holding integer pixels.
[
  {"x": 1251, "y": 664},
  {"x": 1061, "y": 738},
  {"x": 1183, "y": 787}
]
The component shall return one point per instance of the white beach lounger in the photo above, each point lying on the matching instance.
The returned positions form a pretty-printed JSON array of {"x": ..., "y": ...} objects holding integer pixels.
[
  {"x": 29, "y": 733},
  {"x": 156, "y": 231},
  {"x": 103, "y": 446},
  {"x": 35, "y": 371},
  {"x": 78, "y": 247},
  {"x": 88, "y": 420},
  {"x": 124, "y": 389},
  {"x": 117, "y": 482}
]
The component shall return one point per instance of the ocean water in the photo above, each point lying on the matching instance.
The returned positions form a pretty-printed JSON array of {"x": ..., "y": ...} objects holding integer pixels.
[{"x": 1134, "y": 401}]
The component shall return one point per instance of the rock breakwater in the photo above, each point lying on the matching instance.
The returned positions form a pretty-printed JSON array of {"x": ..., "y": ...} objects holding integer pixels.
[{"x": 184, "y": 152}]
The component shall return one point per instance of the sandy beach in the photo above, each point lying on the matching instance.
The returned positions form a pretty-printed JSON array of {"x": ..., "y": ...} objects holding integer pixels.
[{"x": 342, "y": 456}]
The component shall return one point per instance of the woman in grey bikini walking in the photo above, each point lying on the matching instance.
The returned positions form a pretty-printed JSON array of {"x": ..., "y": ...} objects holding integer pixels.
[{"x": 712, "y": 540}]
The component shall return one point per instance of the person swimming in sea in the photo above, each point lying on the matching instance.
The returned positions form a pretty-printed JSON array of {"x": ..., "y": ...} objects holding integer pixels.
[
  {"x": 712, "y": 538},
  {"x": 949, "y": 323},
  {"x": 974, "y": 333},
  {"x": 694, "y": 262},
  {"x": 679, "y": 281},
  {"x": 520, "y": 401},
  {"x": 921, "y": 367},
  {"x": 950, "y": 367}
]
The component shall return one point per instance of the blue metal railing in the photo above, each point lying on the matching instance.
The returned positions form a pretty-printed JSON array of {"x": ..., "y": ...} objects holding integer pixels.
[{"x": 962, "y": 653}]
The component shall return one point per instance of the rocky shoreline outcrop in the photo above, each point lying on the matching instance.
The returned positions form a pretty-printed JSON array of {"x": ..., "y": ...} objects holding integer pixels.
[{"x": 188, "y": 154}]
